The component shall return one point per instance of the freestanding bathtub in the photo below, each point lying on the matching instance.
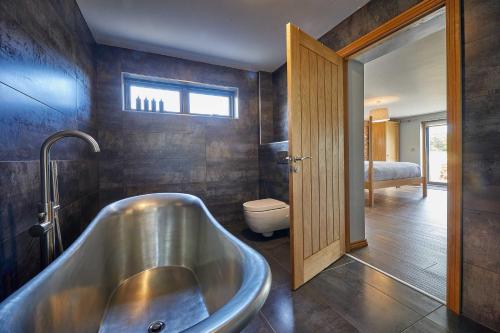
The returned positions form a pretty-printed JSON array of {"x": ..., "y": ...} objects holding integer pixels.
[{"x": 152, "y": 263}]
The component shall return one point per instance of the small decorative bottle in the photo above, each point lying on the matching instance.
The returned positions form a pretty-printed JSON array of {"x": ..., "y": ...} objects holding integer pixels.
[
  {"x": 138, "y": 104},
  {"x": 146, "y": 104},
  {"x": 161, "y": 106},
  {"x": 153, "y": 105}
]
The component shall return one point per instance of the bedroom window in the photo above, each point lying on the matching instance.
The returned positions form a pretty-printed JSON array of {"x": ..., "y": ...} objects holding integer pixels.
[
  {"x": 148, "y": 94},
  {"x": 437, "y": 153}
]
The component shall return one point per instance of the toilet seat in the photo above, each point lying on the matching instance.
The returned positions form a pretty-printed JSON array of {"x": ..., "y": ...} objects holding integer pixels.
[{"x": 263, "y": 205}]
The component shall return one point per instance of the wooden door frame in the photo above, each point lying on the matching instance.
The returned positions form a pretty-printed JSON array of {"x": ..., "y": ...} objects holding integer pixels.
[{"x": 454, "y": 122}]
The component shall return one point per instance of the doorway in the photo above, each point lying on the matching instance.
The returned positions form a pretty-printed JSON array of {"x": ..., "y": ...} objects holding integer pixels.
[
  {"x": 453, "y": 102},
  {"x": 354, "y": 233},
  {"x": 404, "y": 148}
]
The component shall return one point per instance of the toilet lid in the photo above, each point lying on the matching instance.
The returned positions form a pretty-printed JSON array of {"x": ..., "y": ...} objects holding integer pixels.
[{"x": 263, "y": 205}]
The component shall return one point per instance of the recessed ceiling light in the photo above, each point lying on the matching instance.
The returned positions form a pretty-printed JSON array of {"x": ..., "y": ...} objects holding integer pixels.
[{"x": 380, "y": 100}]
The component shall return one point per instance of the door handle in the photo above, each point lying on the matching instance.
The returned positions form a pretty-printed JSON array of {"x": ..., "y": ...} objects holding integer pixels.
[{"x": 298, "y": 158}]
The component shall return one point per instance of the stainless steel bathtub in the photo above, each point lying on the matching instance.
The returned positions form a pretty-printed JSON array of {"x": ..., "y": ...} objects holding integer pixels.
[{"x": 145, "y": 263}]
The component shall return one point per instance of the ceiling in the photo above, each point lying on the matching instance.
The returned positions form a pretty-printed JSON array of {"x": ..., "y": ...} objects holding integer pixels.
[
  {"x": 409, "y": 81},
  {"x": 247, "y": 34}
]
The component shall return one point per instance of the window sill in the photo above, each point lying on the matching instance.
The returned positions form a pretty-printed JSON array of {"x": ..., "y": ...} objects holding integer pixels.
[{"x": 181, "y": 114}]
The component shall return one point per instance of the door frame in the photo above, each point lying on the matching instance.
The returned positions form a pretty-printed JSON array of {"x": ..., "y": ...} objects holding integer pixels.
[{"x": 454, "y": 122}]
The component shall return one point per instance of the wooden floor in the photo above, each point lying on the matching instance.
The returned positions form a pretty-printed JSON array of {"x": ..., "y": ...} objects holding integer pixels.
[
  {"x": 346, "y": 297},
  {"x": 407, "y": 237}
]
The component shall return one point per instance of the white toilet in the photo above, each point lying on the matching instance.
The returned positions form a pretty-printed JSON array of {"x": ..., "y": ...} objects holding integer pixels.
[{"x": 265, "y": 216}]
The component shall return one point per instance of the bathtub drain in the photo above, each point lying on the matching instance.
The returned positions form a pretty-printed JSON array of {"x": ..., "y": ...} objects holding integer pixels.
[{"x": 156, "y": 326}]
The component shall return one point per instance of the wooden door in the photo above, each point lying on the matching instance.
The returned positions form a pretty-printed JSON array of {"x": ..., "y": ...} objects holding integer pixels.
[{"x": 316, "y": 149}]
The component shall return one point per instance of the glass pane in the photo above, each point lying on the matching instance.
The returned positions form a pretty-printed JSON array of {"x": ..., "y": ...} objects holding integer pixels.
[
  {"x": 200, "y": 103},
  {"x": 437, "y": 154},
  {"x": 157, "y": 99}
]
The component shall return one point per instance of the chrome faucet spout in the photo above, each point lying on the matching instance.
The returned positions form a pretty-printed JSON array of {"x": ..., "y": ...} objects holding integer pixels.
[
  {"x": 44, "y": 228},
  {"x": 45, "y": 159}
]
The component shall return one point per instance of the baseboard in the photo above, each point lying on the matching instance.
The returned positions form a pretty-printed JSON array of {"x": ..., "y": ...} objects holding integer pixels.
[{"x": 358, "y": 244}]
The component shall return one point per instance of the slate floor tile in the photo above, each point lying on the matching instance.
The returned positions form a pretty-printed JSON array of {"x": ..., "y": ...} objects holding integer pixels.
[
  {"x": 403, "y": 294},
  {"x": 301, "y": 311},
  {"x": 364, "y": 306},
  {"x": 258, "y": 325},
  {"x": 425, "y": 325},
  {"x": 454, "y": 323}
]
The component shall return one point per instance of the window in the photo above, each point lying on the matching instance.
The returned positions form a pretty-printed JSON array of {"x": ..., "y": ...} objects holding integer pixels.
[
  {"x": 146, "y": 94},
  {"x": 437, "y": 154},
  {"x": 154, "y": 99}
]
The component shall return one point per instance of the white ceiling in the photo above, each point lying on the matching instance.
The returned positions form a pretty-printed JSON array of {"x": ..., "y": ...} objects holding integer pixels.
[
  {"x": 409, "y": 81},
  {"x": 247, "y": 34}
]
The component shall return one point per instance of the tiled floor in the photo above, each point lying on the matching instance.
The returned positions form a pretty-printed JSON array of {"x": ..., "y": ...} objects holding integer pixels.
[
  {"x": 346, "y": 297},
  {"x": 407, "y": 237}
]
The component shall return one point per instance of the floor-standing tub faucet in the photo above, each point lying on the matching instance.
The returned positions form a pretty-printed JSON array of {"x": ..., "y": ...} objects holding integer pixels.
[{"x": 45, "y": 228}]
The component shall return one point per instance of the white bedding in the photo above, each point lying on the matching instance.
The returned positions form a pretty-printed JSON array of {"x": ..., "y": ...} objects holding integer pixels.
[{"x": 393, "y": 170}]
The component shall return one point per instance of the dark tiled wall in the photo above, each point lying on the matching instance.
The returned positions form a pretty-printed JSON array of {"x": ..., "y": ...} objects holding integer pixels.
[
  {"x": 273, "y": 174},
  {"x": 481, "y": 162},
  {"x": 273, "y": 177},
  {"x": 280, "y": 111},
  {"x": 273, "y": 106},
  {"x": 364, "y": 20},
  {"x": 46, "y": 78},
  {"x": 266, "y": 101},
  {"x": 481, "y": 138},
  {"x": 213, "y": 158}
]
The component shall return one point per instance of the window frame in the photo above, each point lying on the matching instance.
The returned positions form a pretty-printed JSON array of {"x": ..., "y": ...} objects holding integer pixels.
[{"x": 184, "y": 88}]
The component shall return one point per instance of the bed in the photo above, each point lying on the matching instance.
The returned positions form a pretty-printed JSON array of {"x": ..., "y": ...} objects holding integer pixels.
[
  {"x": 383, "y": 174},
  {"x": 383, "y": 170}
]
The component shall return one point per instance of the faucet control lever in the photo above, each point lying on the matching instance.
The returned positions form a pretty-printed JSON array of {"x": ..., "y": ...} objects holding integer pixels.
[
  {"x": 40, "y": 229},
  {"x": 41, "y": 217}
]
